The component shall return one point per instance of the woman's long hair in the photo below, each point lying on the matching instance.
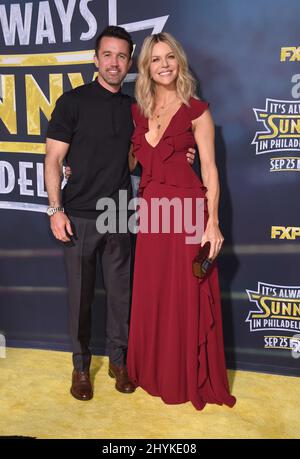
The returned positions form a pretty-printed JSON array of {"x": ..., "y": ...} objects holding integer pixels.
[{"x": 145, "y": 86}]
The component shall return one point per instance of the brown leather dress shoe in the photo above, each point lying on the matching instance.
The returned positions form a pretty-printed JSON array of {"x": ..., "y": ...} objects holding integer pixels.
[
  {"x": 81, "y": 387},
  {"x": 123, "y": 383}
]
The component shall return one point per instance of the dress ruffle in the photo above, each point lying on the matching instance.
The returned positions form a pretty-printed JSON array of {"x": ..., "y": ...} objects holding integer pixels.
[
  {"x": 210, "y": 334},
  {"x": 169, "y": 164}
]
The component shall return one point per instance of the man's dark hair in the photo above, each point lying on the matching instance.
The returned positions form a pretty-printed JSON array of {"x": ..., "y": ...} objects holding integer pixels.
[{"x": 116, "y": 32}]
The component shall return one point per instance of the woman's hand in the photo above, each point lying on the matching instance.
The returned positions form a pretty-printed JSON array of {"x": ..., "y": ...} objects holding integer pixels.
[
  {"x": 213, "y": 234},
  {"x": 68, "y": 172}
]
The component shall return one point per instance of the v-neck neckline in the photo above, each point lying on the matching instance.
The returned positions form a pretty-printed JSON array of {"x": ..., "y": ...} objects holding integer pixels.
[{"x": 164, "y": 133}]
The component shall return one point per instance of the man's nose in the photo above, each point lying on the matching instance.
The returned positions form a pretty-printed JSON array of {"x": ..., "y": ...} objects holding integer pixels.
[{"x": 114, "y": 60}]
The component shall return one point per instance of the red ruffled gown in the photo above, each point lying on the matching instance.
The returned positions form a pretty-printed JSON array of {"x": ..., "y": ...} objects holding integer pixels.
[{"x": 175, "y": 346}]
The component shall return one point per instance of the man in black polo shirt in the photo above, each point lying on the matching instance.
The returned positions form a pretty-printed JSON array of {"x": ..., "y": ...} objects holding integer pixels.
[{"x": 92, "y": 126}]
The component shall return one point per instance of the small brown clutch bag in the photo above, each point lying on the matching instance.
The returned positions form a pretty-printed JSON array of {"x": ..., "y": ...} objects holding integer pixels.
[{"x": 201, "y": 263}]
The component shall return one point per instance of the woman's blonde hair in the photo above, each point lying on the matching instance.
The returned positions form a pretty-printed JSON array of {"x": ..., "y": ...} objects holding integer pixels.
[{"x": 145, "y": 86}]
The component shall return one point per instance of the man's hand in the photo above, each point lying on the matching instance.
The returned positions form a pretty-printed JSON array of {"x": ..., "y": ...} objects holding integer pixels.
[
  {"x": 61, "y": 226},
  {"x": 190, "y": 156}
]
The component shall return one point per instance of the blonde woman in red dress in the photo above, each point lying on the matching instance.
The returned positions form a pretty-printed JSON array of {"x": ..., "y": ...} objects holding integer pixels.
[{"x": 176, "y": 348}]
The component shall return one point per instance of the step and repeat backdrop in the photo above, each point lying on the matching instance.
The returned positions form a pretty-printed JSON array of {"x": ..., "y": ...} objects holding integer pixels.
[{"x": 245, "y": 56}]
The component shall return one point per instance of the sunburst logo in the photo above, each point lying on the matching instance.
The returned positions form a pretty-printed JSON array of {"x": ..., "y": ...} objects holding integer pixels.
[
  {"x": 277, "y": 308},
  {"x": 281, "y": 121}
]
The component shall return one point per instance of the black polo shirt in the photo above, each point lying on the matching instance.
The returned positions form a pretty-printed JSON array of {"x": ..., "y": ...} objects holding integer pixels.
[{"x": 98, "y": 126}]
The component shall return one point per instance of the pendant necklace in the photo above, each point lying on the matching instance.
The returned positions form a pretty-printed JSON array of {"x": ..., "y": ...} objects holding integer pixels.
[{"x": 157, "y": 116}]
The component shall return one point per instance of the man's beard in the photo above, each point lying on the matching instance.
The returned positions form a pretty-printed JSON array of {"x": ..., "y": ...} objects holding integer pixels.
[{"x": 113, "y": 81}]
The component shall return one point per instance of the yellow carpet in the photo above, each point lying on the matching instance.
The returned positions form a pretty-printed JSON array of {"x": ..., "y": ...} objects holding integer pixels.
[{"x": 35, "y": 402}]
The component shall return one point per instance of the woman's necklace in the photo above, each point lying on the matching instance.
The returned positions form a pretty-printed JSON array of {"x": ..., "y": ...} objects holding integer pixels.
[{"x": 157, "y": 115}]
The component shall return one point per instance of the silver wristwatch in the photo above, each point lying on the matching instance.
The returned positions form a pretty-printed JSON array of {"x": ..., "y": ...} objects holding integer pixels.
[{"x": 52, "y": 210}]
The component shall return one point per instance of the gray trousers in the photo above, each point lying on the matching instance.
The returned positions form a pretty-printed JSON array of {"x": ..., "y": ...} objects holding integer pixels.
[{"x": 81, "y": 262}]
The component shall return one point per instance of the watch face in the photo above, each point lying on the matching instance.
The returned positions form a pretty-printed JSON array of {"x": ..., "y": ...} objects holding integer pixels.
[{"x": 53, "y": 210}]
